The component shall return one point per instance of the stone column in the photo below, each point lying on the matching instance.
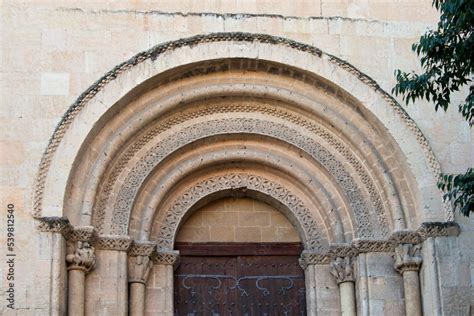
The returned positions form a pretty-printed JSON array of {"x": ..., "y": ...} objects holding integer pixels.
[
  {"x": 139, "y": 267},
  {"x": 320, "y": 286},
  {"x": 342, "y": 269},
  {"x": 161, "y": 292},
  {"x": 52, "y": 237},
  {"x": 407, "y": 262},
  {"x": 112, "y": 251},
  {"x": 138, "y": 271},
  {"x": 79, "y": 263},
  {"x": 307, "y": 262}
]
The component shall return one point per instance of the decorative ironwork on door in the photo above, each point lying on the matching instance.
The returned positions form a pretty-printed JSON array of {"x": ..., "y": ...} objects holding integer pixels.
[{"x": 239, "y": 285}]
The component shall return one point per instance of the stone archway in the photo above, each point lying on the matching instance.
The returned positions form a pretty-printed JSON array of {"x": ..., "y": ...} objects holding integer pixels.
[
  {"x": 238, "y": 249},
  {"x": 292, "y": 206},
  {"x": 195, "y": 117}
]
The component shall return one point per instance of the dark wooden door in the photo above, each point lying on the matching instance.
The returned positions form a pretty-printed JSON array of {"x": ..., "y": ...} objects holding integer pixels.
[{"x": 233, "y": 279}]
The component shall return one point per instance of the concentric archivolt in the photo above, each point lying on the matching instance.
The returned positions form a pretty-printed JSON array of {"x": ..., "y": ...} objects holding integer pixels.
[
  {"x": 294, "y": 206},
  {"x": 154, "y": 53},
  {"x": 160, "y": 151}
]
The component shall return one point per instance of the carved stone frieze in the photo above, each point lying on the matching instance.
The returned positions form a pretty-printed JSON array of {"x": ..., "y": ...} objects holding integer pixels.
[
  {"x": 59, "y": 225},
  {"x": 83, "y": 257},
  {"x": 139, "y": 268},
  {"x": 405, "y": 237},
  {"x": 342, "y": 269},
  {"x": 113, "y": 242},
  {"x": 81, "y": 233},
  {"x": 204, "y": 188},
  {"x": 142, "y": 248},
  {"x": 372, "y": 245},
  {"x": 407, "y": 257},
  {"x": 310, "y": 258},
  {"x": 342, "y": 250},
  {"x": 368, "y": 225},
  {"x": 166, "y": 258},
  {"x": 438, "y": 229}
]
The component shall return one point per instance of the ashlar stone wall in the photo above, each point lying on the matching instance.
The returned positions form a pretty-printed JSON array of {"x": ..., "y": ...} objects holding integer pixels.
[
  {"x": 52, "y": 51},
  {"x": 237, "y": 220}
]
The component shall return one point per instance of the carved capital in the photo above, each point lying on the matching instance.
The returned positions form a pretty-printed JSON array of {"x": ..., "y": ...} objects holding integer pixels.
[
  {"x": 166, "y": 258},
  {"x": 139, "y": 268},
  {"x": 83, "y": 257},
  {"x": 310, "y": 258},
  {"x": 342, "y": 269},
  {"x": 407, "y": 258}
]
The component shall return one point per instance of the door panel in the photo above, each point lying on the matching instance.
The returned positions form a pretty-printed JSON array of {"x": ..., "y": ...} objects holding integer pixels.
[
  {"x": 274, "y": 285},
  {"x": 239, "y": 285}
]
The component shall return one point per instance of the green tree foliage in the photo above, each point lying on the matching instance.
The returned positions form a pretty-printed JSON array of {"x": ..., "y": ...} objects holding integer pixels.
[
  {"x": 460, "y": 190},
  {"x": 447, "y": 60}
]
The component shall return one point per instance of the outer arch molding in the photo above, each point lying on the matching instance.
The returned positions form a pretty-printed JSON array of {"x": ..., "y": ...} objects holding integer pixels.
[{"x": 58, "y": 159}]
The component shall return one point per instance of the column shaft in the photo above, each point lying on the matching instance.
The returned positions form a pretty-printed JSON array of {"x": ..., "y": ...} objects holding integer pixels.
[
  {"x": 347, "y": 294},
  {"x": 76, "y": 292},
  {"x": 137, "y": 299},
  {"x": 310, "y": 280},
  {"x": 169, "y": 293},
  {"x": 411, "y": 284}
]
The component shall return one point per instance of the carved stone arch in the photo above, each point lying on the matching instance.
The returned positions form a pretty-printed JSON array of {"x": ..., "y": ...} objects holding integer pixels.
[
  {"x": 293, "y": 207},
  {"x": 132, "y": 183},
  {"x": 68, "y": 139},
  {"x": 326, "y": 202},
  {"x": 142, "y": 161}
]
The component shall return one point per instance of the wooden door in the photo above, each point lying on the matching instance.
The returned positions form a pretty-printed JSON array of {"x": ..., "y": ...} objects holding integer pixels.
[{"x": 239, "y": 279}]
